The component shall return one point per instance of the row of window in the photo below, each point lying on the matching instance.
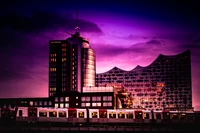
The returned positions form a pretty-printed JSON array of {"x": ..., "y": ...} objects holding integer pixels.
[
  {"x": 62, "y": 105},
  {"x": 40, "y": 103},
  {"x": 97, "y": 98},
  {"x": 105, "y": 104},
  {"x": 52, "y": 69},
  {"x": 52, "y": 88},
  {"x": 62, "y": 99},
  {"x": 52, "y": 55},
  {"x": 52, "y": 59}
]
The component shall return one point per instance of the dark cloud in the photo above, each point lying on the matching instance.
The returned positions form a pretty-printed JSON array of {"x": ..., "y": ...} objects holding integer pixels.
[
  {"x": 22, "y": 43},
  {"x": 42, "y": 21}
]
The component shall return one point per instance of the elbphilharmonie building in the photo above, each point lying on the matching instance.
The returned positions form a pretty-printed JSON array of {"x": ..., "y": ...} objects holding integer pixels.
[{"x": 165, "y": 83}]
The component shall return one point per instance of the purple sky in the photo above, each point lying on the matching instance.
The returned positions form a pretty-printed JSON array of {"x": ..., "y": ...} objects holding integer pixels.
[{"x": 123, "y": 34}]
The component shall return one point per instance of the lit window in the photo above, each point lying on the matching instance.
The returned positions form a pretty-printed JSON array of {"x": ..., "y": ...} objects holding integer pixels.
[
  {"x": 87, "y": 104},
  {"x": 56, "y": 105},
  {"x": 94, "y": 104},
  {"x": 50, "y": 103},
  {"x": 40, "y": 103},
  {"x": 66, "y": 105},
  {"x": 76, "y": 104},
  {"x": 66, "y": 99},
  {"x": 52, "y": 59},
  {"x": 76, "y": 97},
  {"x": 98, "y": 104},
  {"x": 63, "y": 59},
  {"x": 52, "y": 69},
  {"x": 61, "y": 105},
  {"x": 31, "y": 103}
]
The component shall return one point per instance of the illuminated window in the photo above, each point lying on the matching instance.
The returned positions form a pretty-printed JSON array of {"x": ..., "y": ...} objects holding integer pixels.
[
  {"x": 62, "y": 114},
  {"x": 63, "y": 59},
  {"x": 53, "y": 89},
  {"x": 81, "y": 114},
  {"x": 76, "y": 104},
  {"x": 40, "y": 103},
  {"x": 52, "y": 69},
  {"x": 50, "y": 103},
  {"x": 94, "y": 104},
  {"x": 52, "y": 114},
  {"x": 146, "y": 115},
  {"x": 61, "y": 105},
  {"x": 121, "y": 115},
  {"x": 94, "y": 114},
  {"x": 52, "y": 59},
  {"x": 43, "y": 114},
  {"x": 31, "y": 103},
  {"x": 112, "y": 115},
  {"x": 52, "y": 55},
  {"x": 98, "y": 104},
  {"x": 56, "y": 105},
  {"x": 66, "y": 99},
  {"x": 129, "y": 115},
  {"x": 66, "y": 105},
  {"x": 87, "y": 104},
  {"x": 76, "y": 97}
]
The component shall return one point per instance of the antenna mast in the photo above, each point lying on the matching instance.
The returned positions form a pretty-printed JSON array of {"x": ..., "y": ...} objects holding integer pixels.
[{"x": 77, "y": 28}]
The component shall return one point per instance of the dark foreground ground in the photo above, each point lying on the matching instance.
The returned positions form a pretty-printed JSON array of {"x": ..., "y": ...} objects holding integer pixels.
[{"x": 57, "y": 128}]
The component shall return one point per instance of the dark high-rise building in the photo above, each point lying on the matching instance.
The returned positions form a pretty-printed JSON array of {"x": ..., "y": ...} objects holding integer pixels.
[
  {"x": 165, "y": 83},
  {"x": 72, "y": 65}
]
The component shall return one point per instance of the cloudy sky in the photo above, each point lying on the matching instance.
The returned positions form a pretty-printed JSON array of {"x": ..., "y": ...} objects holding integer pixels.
[{"x": 123, "y": 33}]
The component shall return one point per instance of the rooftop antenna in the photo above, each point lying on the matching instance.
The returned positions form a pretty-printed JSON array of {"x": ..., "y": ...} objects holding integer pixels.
[{"x": 77, "y": 28}]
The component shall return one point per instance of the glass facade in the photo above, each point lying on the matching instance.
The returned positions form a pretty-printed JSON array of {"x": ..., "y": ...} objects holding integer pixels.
[{"x": 165, "y": 83}]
